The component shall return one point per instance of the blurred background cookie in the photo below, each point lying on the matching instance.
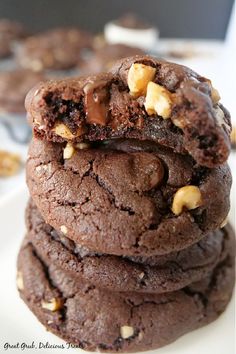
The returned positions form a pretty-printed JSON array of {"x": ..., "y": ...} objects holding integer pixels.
[
  {"x": 57, "y": 49},
  {"x": 14, "y": 86},
  {"x": 10, "y": 31},
  {"x": 104, "y": 57}
]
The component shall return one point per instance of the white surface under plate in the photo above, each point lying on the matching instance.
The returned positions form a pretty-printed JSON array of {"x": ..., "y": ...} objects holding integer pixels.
[{"x": 19, "y": 325}]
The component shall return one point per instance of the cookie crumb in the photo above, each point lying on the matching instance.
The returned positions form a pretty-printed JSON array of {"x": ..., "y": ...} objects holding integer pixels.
[
  {"x": 10, "y": 163},
  {"x": 68, "y": 152}
]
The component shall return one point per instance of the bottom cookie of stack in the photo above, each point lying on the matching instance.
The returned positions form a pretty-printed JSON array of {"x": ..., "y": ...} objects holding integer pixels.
[{"x": 95, "y": 319}]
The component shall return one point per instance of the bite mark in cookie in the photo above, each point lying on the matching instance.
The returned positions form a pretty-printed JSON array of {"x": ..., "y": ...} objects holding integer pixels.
[{"x": 142, "y": 98}]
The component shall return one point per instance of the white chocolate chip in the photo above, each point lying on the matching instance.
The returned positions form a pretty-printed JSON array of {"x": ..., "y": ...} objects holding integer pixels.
[
  {"x": 52, "y": 305},
  {"x": 63, "y": 131},
  {"x": 139, "y": 76},
  {"x": 126, "y": 332},
  {"x": 64, "y": 229},
  {"x": 215, "y": 96},
  {"x": 68, "y": 151},
  {"x": 158, "y": 100},
  {"x": 189, "y": 197},
  {"x": 19, "y": 281},
  {"x": 141, "y": 275}
]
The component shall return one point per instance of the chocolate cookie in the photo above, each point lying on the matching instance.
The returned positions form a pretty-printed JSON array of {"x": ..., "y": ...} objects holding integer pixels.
[
  {"x": 14, "y": 86},
  {"x": 10, "y": 31},
  {"x": 95, "y": 319},
  {"x": 157, "y": 274},
  {"x": 125, "y": 197},
  {"x": 104, "y": 57},
  {"x": 142, "y": 98},
  {"x": 55, "y": 49}
]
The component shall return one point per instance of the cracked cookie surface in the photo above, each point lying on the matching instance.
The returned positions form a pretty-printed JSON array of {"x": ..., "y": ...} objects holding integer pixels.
[
  {"x": 108, "y": 321},
  {"x": 180, "y": 109},
  {"x": 156, "y": 274},
  {"x": 117, "y": 198}
]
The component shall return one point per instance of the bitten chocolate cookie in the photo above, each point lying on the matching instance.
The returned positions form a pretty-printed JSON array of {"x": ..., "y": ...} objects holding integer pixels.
[
  {"x": 10, "y": 31},
  {"x": 107, "y": 321},
  {"x": 55, "y": 49},
  {"x": 104, "y": 57},
  {"x": 157, "y": 274},
  {"x": 125, "y": 197},
  {"x": 142, "y": 98},
  {"x": 14, "y": 85}
]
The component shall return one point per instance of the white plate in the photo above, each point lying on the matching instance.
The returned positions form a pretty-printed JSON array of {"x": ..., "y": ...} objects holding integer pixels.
[{"x": 18, "y": 324}]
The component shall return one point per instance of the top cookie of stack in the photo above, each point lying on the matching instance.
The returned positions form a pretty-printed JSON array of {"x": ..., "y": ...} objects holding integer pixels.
[
  {"x": 158, "y": 140},
  {"x": 142, "y": 98}
]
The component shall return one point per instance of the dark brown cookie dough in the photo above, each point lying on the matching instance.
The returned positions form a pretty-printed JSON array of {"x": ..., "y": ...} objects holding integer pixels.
[
  {"x": 107, "y": 321},
  {"x": 14, "y": 86},
  {"x": 55, "y": 49},
  {"x": 156, "y": 274},
  {"x": 104, "y": 57},
  {"x": 117, "y": 198},
  {"x": 180, "y": 110},
  {"x": 10, "y": 31}
]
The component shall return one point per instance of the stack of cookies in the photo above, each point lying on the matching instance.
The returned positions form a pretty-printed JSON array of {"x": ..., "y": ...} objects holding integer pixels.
[{"x": 127, "y": 246}]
